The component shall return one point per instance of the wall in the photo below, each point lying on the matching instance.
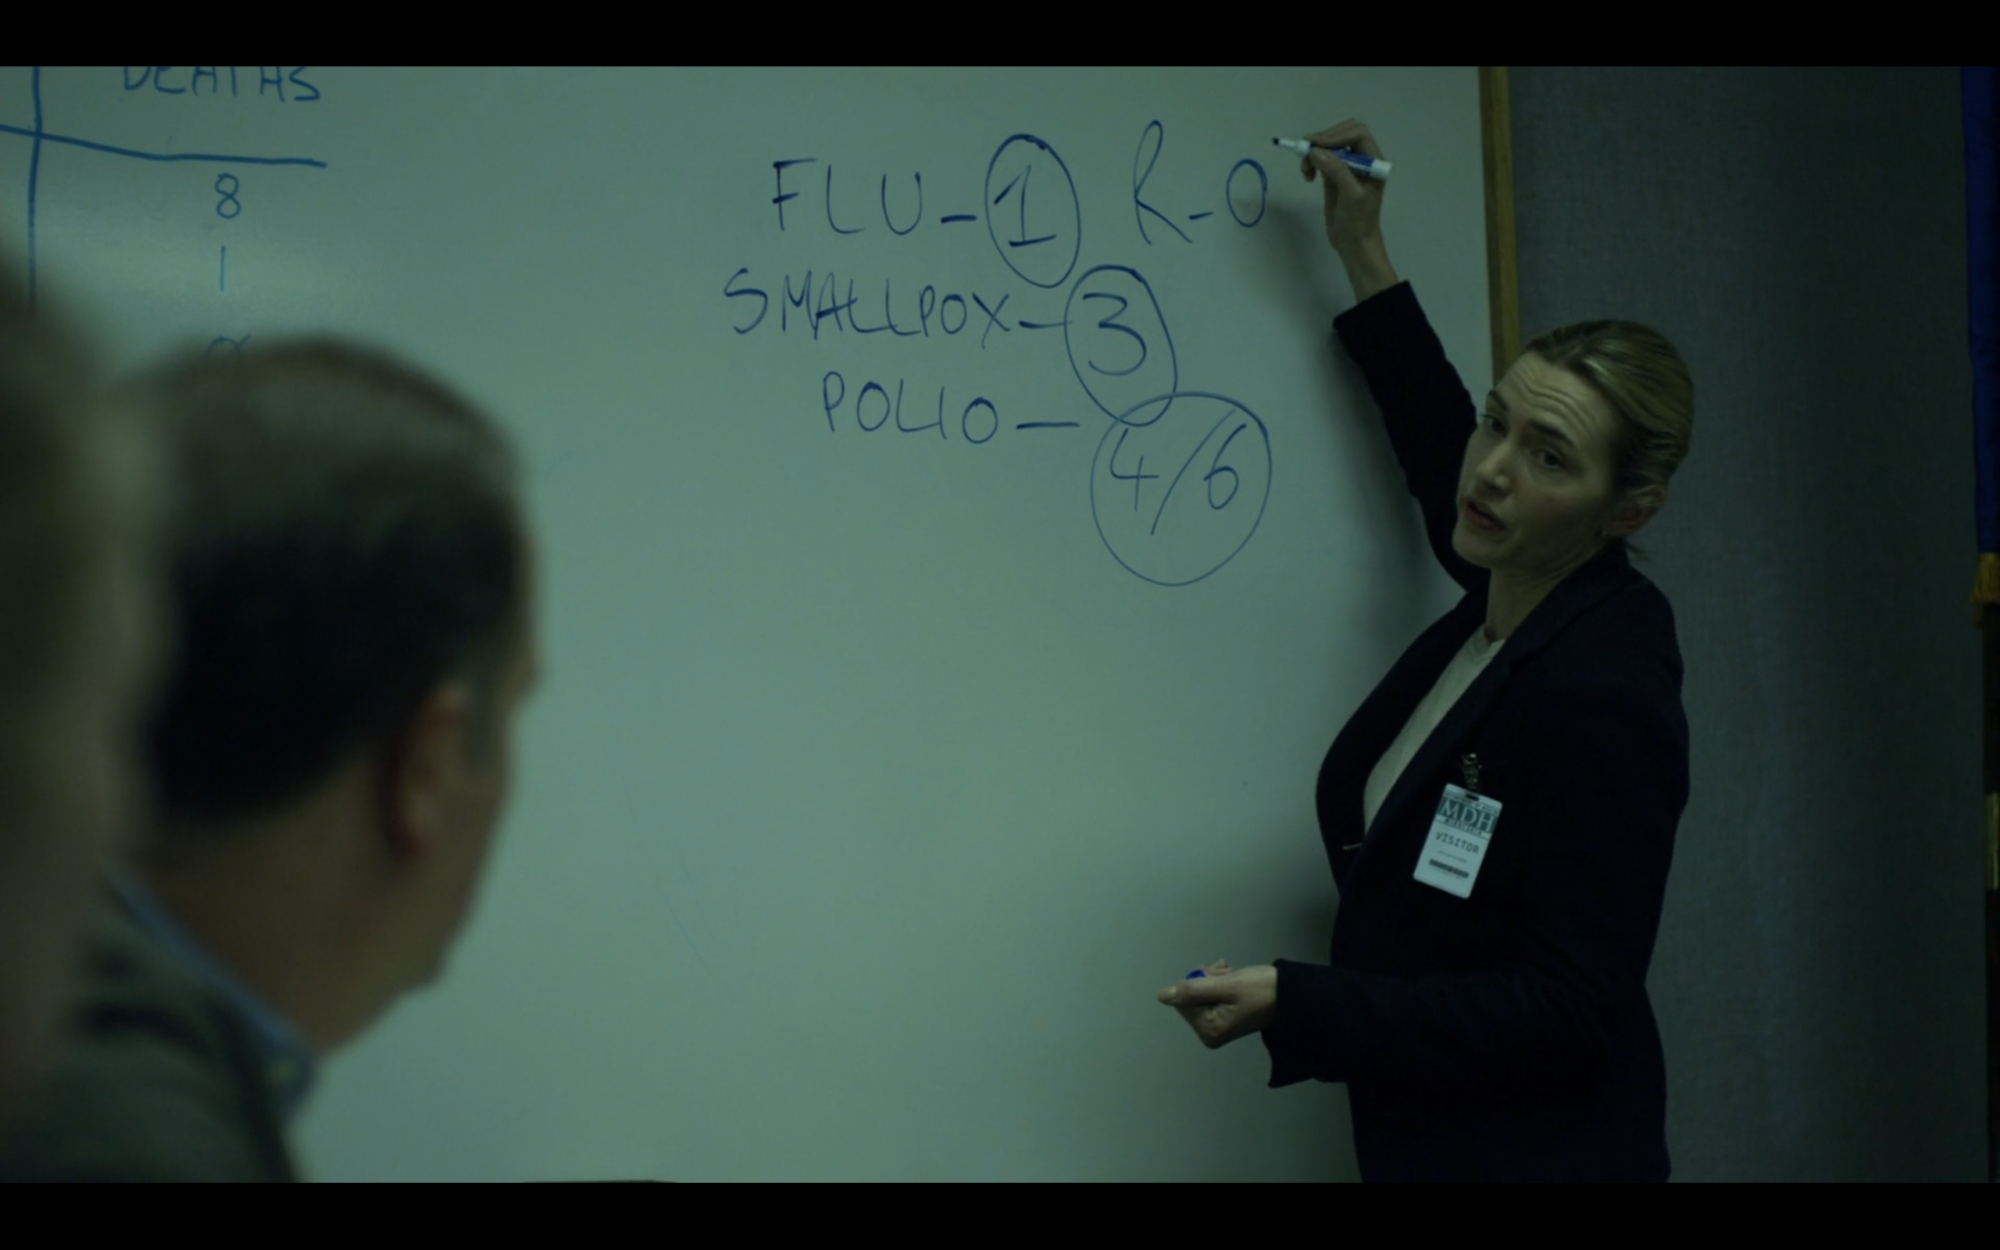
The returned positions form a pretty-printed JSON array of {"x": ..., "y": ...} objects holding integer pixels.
[{"x": 1800, "y": 234}]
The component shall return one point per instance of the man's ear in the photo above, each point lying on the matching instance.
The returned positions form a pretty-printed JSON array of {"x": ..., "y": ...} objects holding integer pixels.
[
  {"x": 1637, "y": 508},
  {"x": 423, "y": 769}
]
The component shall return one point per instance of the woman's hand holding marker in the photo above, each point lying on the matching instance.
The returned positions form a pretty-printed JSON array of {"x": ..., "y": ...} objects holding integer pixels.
[
  {"x": 1353, "y": 206},
  {"x": 1222, "y": 1004}
]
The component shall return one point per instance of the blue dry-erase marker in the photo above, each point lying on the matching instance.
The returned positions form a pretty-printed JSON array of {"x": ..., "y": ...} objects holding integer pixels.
[{"x": 1367, "y": 166}]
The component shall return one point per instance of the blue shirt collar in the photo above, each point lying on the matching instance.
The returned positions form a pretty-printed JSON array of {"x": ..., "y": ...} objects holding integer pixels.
[{"x": 288, "y": 1062}]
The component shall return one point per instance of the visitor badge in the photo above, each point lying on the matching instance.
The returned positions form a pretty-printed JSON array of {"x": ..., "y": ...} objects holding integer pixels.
[{"x": 1457, "y": 845}]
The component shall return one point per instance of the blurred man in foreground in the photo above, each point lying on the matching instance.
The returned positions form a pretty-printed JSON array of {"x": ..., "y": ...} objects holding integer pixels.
[{"x": 352, "y": 585}]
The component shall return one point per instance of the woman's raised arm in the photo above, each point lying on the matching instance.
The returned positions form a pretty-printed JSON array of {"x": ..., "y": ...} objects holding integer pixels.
[{"x": 1425, "y": 407}]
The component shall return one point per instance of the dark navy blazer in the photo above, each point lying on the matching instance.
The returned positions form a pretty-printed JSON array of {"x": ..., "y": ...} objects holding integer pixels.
[{"x": 1507, "y": 1035}]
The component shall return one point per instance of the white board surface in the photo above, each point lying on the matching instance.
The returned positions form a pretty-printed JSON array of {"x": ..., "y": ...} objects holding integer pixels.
[{"x": 879, "y": 775}]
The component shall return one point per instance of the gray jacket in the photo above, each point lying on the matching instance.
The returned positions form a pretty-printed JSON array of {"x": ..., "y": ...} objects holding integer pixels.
[{"x": 162, "y": 1078}]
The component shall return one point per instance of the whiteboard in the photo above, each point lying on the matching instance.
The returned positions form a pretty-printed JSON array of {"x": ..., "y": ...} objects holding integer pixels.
[{"x": 959, "y": 546}]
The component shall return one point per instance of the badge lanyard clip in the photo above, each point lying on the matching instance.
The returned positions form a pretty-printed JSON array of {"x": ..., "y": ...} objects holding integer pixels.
[{"x": 1469, "y": 764}]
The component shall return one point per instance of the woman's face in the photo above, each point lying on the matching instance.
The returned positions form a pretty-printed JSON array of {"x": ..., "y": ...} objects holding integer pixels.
[{"x": 1535, "y": 492}]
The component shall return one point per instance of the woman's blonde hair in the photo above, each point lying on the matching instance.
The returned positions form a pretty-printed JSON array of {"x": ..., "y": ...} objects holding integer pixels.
[{"x": 1647, "y": 385}]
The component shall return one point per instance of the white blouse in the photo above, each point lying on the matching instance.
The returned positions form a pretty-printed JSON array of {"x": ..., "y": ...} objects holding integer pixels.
[{"x": 1464, "y": 669}]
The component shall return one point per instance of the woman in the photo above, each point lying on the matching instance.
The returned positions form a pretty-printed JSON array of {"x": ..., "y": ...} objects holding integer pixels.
[
  {"x": 1500, "y": 812},
  {"x": 77, "y": 627}
]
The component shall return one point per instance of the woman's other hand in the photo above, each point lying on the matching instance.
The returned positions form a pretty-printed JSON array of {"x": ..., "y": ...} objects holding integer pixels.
[
  {"x": 1225, "y": 1004},
  {"x": 1353, "y": 207}
]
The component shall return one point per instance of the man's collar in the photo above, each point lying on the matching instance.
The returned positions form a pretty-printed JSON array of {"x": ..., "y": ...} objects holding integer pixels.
[{"x": 288, "y": 1062}]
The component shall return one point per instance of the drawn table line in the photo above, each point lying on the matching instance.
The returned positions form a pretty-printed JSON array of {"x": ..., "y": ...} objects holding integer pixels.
[
  {"x": 223, "y": 158},
  {"x": 39, "y": 134}
]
